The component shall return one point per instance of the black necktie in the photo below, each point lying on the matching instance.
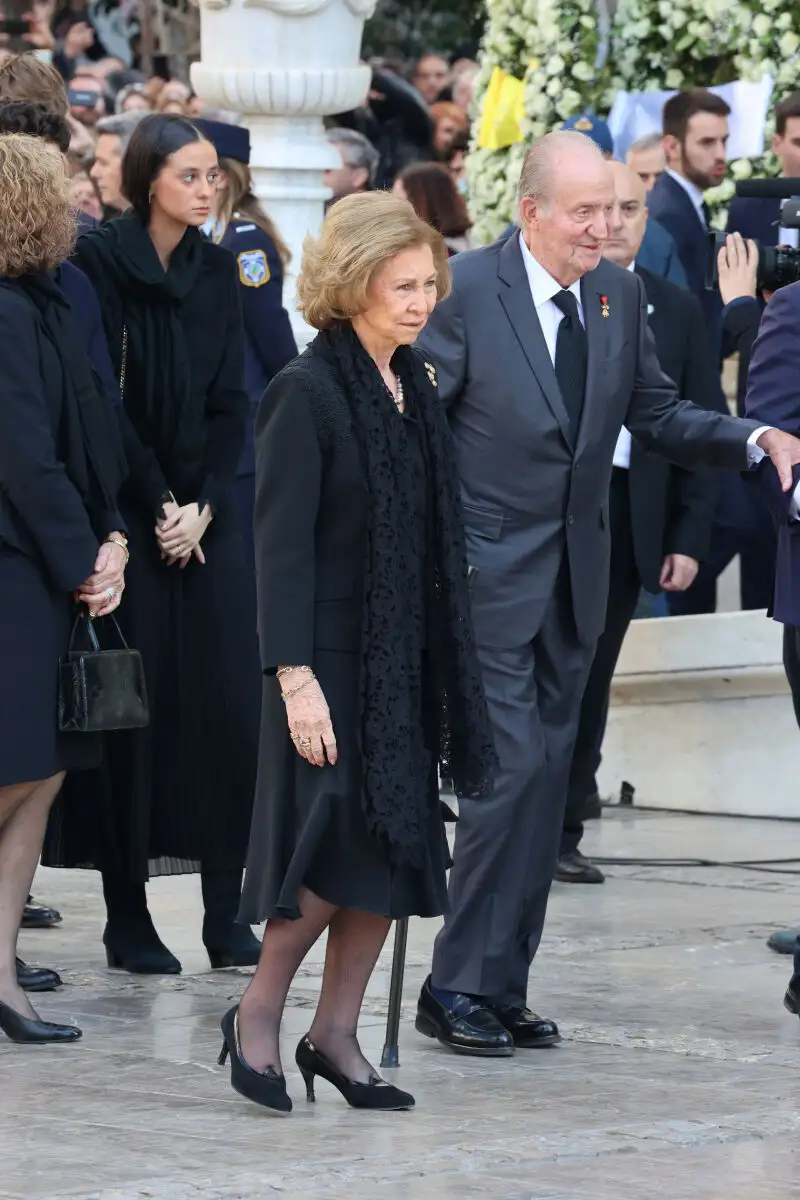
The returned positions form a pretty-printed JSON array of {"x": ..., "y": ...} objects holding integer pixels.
[
  {"x": 572, "y": 350},
  {"x": 706, "y": 214}
]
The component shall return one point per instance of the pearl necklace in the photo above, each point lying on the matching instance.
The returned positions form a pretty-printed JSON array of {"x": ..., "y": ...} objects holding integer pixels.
[{"x": 398, "y": 395}]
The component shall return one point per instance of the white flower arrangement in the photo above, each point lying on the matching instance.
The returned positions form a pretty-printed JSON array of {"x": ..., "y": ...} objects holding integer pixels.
[
  {"x": 553, "y": 45},
  {"x": 655, "y": 44}
]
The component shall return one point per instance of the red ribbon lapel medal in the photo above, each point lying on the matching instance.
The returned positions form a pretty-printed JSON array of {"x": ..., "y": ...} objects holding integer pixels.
[{"x": 605, "y": 311}]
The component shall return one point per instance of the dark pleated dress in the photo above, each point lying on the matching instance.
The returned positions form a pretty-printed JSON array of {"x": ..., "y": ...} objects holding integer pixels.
[{"x": 309, "y": 828}]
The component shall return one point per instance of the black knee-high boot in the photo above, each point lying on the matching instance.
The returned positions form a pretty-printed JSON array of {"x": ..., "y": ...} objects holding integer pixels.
[
  {"x": 228, "y": 943},
  {"x": 130, "y": 938}
]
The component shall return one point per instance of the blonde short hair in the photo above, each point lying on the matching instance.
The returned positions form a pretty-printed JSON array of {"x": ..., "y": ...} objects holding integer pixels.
[
  {"x": 360, "y": 234},
  {"x": 37, "y": 225}
]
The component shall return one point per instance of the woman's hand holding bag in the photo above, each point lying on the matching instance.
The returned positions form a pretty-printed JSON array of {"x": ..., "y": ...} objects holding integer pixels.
[{"x": 102, "y": 591}]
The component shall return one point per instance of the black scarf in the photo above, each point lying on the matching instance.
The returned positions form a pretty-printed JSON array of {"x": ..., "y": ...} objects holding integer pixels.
[
  {"x": 137, "y": 294},
  {"x": 402, "y": 628},
  {"x": 89, "y": 434}
]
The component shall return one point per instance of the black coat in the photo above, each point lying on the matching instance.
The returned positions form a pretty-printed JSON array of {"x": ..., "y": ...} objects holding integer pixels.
[
  {"x": 179, "y": 792},
  {"x": 310, "y": 522},
  {"x": 740, "y": 321},
  {"x": 672, "y": 508},
  {"x": 670, "y": 205},
  {"x": 217, "y": 410},
  {"x": 41, "y": 512},
  {"x": 309, "y": 828}
]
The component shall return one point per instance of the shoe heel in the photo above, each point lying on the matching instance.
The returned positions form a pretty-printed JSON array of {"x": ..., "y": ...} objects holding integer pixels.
[
  {"x": 113, "y": 960},
  {"x": 308, "y": 1080},
  {"x": 425, "y": 1026},
  {"x": 223, "y": 1054}
]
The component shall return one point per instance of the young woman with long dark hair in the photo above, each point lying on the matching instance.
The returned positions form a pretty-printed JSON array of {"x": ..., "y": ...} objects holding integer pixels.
[{"x": 175, "y": 797}]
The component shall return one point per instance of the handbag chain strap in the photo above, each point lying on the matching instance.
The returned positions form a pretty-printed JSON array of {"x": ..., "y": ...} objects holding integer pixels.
[{"x": 124, "y": 361}]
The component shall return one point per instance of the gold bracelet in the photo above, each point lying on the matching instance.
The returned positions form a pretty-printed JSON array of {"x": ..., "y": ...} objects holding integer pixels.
[
  {"x": 293, "y": 691},
  {"x": 286, "y": 670},
  {"x": 119, "y": 539}
]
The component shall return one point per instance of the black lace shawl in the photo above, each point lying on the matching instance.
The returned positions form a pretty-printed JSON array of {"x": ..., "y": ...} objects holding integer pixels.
[{"x": 401, "y": 627}]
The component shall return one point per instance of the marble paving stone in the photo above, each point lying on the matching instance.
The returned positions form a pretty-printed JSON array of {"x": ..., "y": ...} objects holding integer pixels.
[{"x": 677, "y": 1077}]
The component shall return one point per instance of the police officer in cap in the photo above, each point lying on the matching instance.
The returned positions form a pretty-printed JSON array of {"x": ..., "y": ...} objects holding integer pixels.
[{"x": 242, "y": 226}]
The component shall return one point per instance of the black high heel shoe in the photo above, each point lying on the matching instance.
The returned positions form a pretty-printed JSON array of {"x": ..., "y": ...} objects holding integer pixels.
[
  {"x": 268, "y": 1088},
  {"x": 377, "y": 1094},
  {"x": 25, "y": 1030}
]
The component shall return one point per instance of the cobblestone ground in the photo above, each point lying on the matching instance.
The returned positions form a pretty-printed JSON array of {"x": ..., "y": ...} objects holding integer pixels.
[{"x": 678, "y": 1076}]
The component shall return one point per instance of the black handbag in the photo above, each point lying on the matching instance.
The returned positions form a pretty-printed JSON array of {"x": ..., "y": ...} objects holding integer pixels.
[{"x": 100, "y": 690}]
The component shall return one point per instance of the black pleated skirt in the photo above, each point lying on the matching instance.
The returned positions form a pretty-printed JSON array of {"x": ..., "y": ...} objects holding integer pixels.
[
  {"x": 178, "y": 795},
  {"x": 308, "y": 825},
  {"x": 35, "y": 621}
]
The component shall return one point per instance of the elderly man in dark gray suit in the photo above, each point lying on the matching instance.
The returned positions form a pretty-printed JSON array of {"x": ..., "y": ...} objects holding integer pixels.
[{"x": 543, "y": 352}]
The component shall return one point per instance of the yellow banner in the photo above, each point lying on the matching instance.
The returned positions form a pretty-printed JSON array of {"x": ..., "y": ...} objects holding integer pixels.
[{"x": 503, "y": 110}]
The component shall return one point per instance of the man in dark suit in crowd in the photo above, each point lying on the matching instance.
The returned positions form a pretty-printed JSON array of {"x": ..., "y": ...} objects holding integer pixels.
[
  {"x": 695, "y": 126},
  {"x": 773, "y": 395},
  {"x": 760, "y": 217},
  {"x": 659, "y": 516},
  {"x": 543, "y": 353}
]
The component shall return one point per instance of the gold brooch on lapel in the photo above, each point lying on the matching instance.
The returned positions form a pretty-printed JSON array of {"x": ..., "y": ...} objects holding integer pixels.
[
  {"x": 605, "y": 311},
  {"x": 431, "y": 369}
]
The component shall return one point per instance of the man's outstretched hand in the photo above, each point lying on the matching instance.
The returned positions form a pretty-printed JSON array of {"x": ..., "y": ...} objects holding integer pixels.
[{"x": 784, "y": 450}]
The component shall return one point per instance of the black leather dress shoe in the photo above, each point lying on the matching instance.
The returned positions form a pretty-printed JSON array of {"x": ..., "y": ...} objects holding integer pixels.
[
  {"x": 783, "y": 941},
  {"x": 470, "y": 1027},
  {"x": 528, "y": 1029},
  {"x": 574, "y": 868},
  {"x": 791, "y": 1001},
  {"x": 37, "y": 979},
  {"x": 37, "y": 916}
]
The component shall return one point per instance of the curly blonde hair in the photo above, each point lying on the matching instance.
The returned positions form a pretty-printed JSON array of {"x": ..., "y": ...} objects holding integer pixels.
[
  {"x": 360, "y": 234},
  {"x": 37, "y": 225}
]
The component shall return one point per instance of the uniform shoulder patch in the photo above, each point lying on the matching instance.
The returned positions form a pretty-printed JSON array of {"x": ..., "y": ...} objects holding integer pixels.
[{"x": 253, "y": 268}]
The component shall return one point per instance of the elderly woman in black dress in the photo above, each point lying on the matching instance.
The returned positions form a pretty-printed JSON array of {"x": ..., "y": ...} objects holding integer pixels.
[
  {"x": 371, "y": 679},
  {"x": 61, "y": 539}
]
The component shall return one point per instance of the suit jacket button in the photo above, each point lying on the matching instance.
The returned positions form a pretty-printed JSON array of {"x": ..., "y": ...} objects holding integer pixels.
[{"x": 570, "y": 519}]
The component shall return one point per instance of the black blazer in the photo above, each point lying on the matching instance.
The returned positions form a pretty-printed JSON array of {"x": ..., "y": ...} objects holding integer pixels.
[
  {"x": 310, "y": 516},
  {"x": 740, "y": 321},
  {"x": 672, "y": 508},
  {"x": 669, "y": 204},
  {"x": 755, "y": 217},
  {"x": 41, "y": 512}
]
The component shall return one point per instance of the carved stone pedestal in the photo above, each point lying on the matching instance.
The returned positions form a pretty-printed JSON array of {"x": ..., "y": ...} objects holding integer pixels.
[{"x": 284, "y": 65}]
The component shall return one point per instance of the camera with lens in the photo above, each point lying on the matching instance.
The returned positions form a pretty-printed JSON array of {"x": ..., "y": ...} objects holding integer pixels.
[{"x": 777, "y": 265}]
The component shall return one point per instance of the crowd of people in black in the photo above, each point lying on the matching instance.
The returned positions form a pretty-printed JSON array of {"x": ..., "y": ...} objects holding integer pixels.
[{"x": 166, "y": 457}]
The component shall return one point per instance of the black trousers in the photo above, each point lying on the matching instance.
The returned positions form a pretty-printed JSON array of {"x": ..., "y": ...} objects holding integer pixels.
[
  {"x": 624, "y": 587},
  {"x": 743, "y": 525},
  {"x": 791, "y": 665}
]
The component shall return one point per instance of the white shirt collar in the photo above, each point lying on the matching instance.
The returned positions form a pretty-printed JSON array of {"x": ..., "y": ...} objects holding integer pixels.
[
  {"x": 543, "y": 286},
  {"x": 691, "y": 189},
  {"x": 631, "y": 266}
]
